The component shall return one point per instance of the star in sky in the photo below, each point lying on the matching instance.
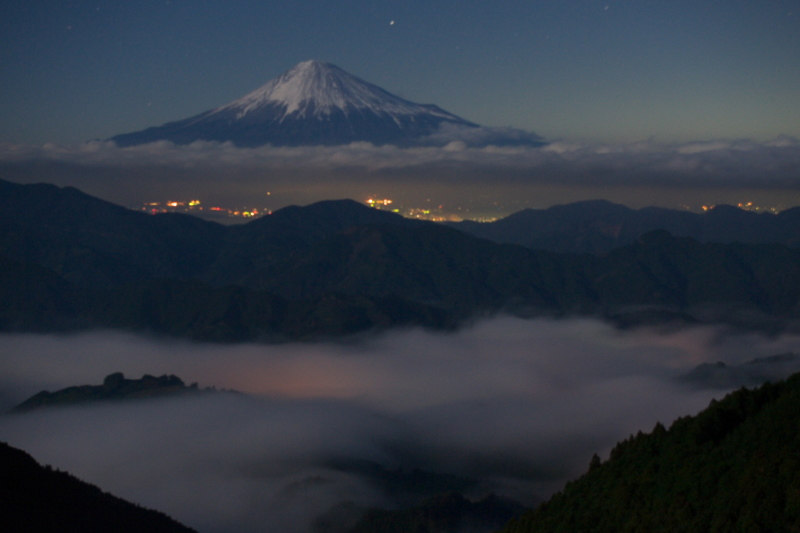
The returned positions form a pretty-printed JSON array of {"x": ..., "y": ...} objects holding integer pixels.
[{"x": 680, "y": 70}]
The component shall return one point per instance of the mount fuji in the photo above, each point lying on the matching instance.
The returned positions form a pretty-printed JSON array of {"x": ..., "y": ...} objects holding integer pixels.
[{"x": 318, "y": 103}]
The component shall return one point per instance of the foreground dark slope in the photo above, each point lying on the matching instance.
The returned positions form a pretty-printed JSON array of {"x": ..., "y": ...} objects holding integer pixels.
[
  {"x": 598, "y": 226},
  {"x": 733, "y": 467},
  {"x": 37, "y": 499},
  {"x": 337, "y": 267}
]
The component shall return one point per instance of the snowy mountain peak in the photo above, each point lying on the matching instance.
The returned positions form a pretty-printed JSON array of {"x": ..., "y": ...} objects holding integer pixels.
[
  {"x": 316, "y": 103},
  {"x": 313, "y": 88}
]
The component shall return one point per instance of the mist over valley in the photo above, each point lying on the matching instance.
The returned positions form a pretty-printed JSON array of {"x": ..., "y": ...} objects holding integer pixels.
[{"x": 510, "y": 406}]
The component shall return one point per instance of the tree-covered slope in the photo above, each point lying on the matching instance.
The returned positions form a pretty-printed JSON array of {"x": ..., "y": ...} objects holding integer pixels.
[
  {"x": 733, "y": 467},
  {"x": 36, "y": 300},
  {"x": 70, "y": 261},
  {"x": 37, "y": 499}
]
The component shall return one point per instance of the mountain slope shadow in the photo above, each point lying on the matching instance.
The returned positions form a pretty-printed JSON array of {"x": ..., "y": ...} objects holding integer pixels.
[{"x": 38, "y": 499}]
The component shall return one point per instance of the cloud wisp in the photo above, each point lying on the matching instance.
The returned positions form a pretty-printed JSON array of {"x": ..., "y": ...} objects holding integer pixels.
[
  {"x": 519, "y": 405},
  {"x": 558, "y": 172}
]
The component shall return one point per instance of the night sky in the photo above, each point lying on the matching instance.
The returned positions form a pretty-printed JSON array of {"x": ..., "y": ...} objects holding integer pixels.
[
  {"x": 643, "y": 102},
  {"x": 598, "y": 71}
]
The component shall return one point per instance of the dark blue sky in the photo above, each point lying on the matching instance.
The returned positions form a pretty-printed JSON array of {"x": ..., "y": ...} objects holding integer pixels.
[{"x": 587, "y": 70}]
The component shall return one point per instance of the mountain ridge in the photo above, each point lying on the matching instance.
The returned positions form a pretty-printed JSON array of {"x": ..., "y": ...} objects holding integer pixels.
[
  {"x": 317, "y": 103},
  {"x": 339, "y": 267},
  {"x": 115, "y": 387},
  {"x": 599, "y": 226}
]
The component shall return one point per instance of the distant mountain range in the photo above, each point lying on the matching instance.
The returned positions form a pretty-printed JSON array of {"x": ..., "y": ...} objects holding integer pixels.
[
  {"x": 598, "y": 226},
  {"x": 318, "y": 103},
  {"x": 71, "y": 261}
]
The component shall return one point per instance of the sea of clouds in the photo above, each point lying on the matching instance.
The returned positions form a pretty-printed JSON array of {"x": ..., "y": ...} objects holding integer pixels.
[
  {"x": 520, "y": 405},
  {"x": 639, "y": 174}
]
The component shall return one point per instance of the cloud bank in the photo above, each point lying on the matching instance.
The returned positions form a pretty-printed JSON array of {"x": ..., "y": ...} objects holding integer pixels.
[
  {"x": 638, "y": 174},
  {"x": 519, "y": 405}
]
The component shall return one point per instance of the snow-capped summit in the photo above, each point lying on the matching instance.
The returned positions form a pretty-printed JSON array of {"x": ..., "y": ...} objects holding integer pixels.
[
  {"x": 313, "y": 103},
  {"x": 318, "y": 89}
]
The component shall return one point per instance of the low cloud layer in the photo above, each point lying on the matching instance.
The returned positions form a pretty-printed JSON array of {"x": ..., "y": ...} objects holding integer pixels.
[
  {"x": 639, "y": 174},
  {"x": 520, "y": 405}
]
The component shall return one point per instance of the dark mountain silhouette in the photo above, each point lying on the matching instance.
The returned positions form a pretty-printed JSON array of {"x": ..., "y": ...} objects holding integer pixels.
[
  {"x": 599, "y": 226},
  {"x": 446, "y": 513},
  {"x": 732, "y": 467},
  {"x": 92, "y": 242},
  {"x": 317, "y": 103},
  {"x": 425, "y": 501},
  {"x": 37, "y": 300},
  {"x": 339, "y": 267},
  {"x": 750, "y": 374},
  {"x": 37, "y": 499},
  {"x": 115, "y": 387},
  {"x": 404, "y": 486}
]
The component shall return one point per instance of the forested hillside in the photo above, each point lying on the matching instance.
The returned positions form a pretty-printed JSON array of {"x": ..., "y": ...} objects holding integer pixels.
[
  {"x": 732, "y": 467},
  {"x": 38, "y": 499},
  {"x": 72, "y": 262}
]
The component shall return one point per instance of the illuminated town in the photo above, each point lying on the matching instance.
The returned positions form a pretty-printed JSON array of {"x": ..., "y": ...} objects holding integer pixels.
[
  {"x": 196, "y": 207},
  {"x": 745, "y": 206},
  {"x": 434, "y": 213}
]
